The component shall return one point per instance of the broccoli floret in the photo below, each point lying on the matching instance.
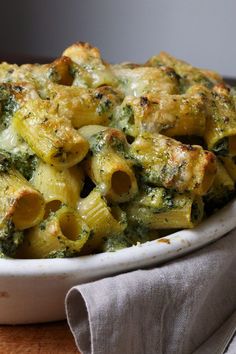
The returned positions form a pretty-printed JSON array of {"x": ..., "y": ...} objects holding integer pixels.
[
  {"x": 10, "y": 239},
  {"x": 24, "y": 162}
]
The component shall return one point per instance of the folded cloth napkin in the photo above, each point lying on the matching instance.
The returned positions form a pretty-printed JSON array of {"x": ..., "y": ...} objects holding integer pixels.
[{"x": 184, "y": 306}]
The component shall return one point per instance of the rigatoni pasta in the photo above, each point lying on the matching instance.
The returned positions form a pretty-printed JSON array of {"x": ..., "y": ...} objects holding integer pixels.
[
  {"x": 50, "y": 136},
  {"x": 220, "y": 134},
  {"x": 171, "y": 164},
  {"x": 221, "y": 189},
  {"x": 102, "y": 219},
  {"x": 158, "y": 209},
  {"x": 82, "y": 106},
  {"x": 188, "y": 75},
  {"x": 20, "y": 202},
  {"x": 169, "y": 114},
  {"x": 62, "y": 234},
  {"x": 230, "y": 166},
  {"x": 107, "y": 165},
  {"x": 88, "y": 67},
  {"x": 58, "y": 186},
  {"x": 96, "y": 157},
  {"x": 140, "y": 81}
]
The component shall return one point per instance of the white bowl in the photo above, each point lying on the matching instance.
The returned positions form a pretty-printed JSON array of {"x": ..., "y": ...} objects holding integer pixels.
[{"x": 33, "y": 291}]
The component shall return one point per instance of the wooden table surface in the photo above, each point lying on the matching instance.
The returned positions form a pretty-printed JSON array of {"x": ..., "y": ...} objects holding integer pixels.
[{"x": 49, "y": 338}]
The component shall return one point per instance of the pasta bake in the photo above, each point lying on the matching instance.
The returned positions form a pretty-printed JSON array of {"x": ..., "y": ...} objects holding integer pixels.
[{"x": 96, "y": 157}]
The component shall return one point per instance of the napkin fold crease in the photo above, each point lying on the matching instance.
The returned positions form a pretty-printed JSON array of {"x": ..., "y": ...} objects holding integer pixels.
[{"x": 219, "y": 341}]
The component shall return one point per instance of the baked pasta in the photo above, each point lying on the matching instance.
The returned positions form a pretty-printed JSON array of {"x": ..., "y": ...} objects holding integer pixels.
[{"x": 96, "y": 157}]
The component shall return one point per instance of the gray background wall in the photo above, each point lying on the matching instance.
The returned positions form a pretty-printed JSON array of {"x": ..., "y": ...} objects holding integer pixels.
[{"x": 199, "y": 31}]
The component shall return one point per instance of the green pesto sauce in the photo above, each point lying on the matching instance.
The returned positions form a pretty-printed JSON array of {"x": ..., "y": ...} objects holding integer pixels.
[
  {"x": 123, "y": 119},
  {"x": 133, "y": 234},
  {"x": 98, "y": 143},
  {"x": 161, "y": 174},
  {"x": 104, "y": 107},
  {"x": 63, "y": 253},
  {"x": 115, "y": 243},
  {"x": 81, "y": 78},
  {"x": 10, "y": 239},
  {"x": 159, "y": 199},
  {"x": 216, "y": 198},
  {"x": 24, "y": 162},
  {"x": 8, "y": 107},
  {"x": 54, "y": 75}
]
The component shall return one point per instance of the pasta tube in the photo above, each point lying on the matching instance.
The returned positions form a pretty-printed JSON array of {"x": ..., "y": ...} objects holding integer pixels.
[
  {"x": 168, "y": 163},
  {"x": 38, "y": 76},
  {"x": 94, "y": 71},
  {"x": 20, "y": 202},
  {"x": 59, "y": 71},
  {"x": 221, "y": 190},
  {"x": 107, "y": 167},
  {"x": 158, "y": 208},
  {"x": 58, "y": 186},
  {"x": 230, "y": 166},
  {"x": 140, "y": 81},
  {"x": 220, "y": 134},
  {"x": 82, "y": 106},
  {"x": 113, "y": 174},
  {"x": 172, "y": 115},
  {"x": 102, "y": 220},
  {"x": 62, "y": 234},
  {"x": 51, "y": 137},
  {"x": 101, "y": 138},
  {"x": 189, "y": 74}
]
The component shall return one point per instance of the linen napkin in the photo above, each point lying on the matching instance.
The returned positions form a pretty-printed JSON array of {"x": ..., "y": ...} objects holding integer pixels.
[
  {"x": 184, "y": 306},
  {"x": 232, "y": 347}
]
